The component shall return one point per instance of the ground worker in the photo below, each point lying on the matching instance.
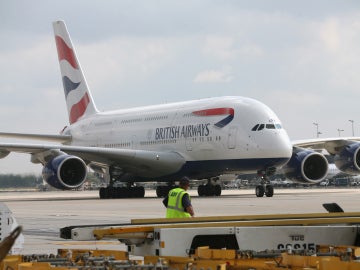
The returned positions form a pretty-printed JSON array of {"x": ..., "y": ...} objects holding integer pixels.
[{"x": 178, "y": 202}]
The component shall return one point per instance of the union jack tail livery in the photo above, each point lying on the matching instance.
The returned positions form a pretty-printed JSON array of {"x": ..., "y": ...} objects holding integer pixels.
[{"x": 78, "y": 97}]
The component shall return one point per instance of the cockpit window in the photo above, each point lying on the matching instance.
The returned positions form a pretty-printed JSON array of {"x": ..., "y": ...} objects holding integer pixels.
[
  {"x": 259, "y": 127},
  {"x": 270, "y": 126},
  {"x": 255, "y": 127}
]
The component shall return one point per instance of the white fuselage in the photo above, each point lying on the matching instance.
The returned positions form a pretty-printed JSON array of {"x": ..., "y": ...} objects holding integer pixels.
[{"x": 219, "y": 130}]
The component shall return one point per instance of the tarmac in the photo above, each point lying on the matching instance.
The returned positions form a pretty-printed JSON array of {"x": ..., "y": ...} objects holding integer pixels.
[{"x": 42, "y": 214}]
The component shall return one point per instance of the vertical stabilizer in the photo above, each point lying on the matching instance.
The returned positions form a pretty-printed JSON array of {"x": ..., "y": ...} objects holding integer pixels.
[{"x": 77, "y": 94}]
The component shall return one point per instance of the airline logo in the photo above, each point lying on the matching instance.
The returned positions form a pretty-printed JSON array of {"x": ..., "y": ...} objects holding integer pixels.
[
  {"x": 195, "y": 130},
  {"x": 78, "y": 108},
  {"x": 229, "y": 112}
]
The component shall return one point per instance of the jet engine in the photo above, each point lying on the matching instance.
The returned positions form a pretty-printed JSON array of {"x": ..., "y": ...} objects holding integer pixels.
[
  {"x": 306, "y": 166},
  {"x": 348, "y": 160},
  {"x": 65, "y": 172}
]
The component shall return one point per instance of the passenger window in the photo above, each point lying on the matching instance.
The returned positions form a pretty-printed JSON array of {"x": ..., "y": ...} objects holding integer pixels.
[
  {"x": 261, "y": 127},
  {"x": 270, "y": 126},
  {"x": 255, "y": 128}
]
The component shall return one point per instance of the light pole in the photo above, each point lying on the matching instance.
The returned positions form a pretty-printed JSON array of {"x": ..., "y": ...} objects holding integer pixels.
[
  {"x": 317, "y": 130},
  {"x": 352, "y": 127},
  {"x": 340, "y": 130}
]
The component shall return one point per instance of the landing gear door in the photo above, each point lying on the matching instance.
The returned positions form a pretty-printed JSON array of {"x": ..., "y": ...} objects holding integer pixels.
[{"x": 232, "y": 138}]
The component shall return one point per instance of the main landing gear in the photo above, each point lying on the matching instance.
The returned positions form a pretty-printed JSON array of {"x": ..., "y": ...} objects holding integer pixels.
[
  {"x": 163, "y": 191},
  {"x": 128, "y": 191},
  {"x": 211, "y": 188},
  {"x": 265, "y": 188}
]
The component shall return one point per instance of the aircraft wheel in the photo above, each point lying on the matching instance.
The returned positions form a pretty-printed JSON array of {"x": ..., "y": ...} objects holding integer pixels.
[
  {"x": 111, "y": 192},
  {"x": 162, "y": 191},
  {"x": 120, "y": 192},
  {"x": 259, "y": 191},
  {"x": 103, "y": 194},
  {"x": 217, "y": 190},
  {"x": 159, "y": 191},
  {"x": 269, "y": 191},
  {"x": 131, "y": 192},
  {"x": 201, "y": 190},
  {"x": 209, "y": 190},
  {"x": 141, "y": 192},
  {"x": 137, "y": 192}
]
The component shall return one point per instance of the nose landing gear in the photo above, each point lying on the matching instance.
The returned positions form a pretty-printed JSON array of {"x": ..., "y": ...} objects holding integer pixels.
[{"x": 265, "y": 188}]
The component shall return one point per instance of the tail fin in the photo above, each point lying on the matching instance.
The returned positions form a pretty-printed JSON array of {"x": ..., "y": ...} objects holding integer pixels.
[{"x": 77, "y": 94}]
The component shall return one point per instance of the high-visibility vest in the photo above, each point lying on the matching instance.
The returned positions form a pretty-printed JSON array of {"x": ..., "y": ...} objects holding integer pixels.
[{"x": 175, "y": 208}]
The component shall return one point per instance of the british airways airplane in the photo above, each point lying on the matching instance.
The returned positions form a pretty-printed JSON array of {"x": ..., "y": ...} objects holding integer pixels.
[{"x": 201, "y": 139}]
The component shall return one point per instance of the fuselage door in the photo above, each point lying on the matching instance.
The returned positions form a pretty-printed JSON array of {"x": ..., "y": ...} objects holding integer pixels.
[
  {"x": 232, "y": 137},
  {"x": 188, "y": 142},
  {"x": 134, "y": 142}
]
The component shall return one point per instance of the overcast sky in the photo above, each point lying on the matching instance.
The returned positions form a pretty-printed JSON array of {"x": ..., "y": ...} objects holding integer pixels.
[{"x": 301, "y": 58}]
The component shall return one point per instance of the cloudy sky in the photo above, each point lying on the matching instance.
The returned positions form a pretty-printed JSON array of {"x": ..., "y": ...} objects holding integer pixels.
[{"x": 301, "y": 58}]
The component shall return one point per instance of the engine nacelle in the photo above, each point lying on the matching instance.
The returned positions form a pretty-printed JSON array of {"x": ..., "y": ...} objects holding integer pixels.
[
  {"x": 348, "y": 160},
  {"x": 306, "y": 166},
  {"x": 65, "y": 172}
]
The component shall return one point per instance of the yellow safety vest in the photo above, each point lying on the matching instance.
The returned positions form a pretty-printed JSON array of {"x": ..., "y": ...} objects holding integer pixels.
[{"x": 175, "y": 207}]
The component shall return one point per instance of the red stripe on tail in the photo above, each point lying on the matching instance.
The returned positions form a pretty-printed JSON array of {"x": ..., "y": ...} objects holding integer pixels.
[
  {"x": 65, "y": 53},
  {"x": 78, "y": 109}
]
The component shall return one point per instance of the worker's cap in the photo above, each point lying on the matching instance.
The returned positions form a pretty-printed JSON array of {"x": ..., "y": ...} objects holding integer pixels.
[{"x": 184, "y": 181}]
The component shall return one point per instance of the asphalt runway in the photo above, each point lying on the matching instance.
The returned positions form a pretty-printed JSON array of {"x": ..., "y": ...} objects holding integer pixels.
[{"x": 42, "y": 214}]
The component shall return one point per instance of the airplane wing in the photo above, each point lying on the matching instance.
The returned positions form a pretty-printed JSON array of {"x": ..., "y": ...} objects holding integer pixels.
[
  {"x": 141, "y": 162},
  {"x": 332, "y": 145},
  {"x": 43, "y": 137}
]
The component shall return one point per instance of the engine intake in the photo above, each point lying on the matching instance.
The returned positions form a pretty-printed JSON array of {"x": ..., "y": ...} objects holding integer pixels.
[
  {"x": 348, "y": 160},
  {"x": 306, "y": 166},
  {"x": 65, "y": 172}
]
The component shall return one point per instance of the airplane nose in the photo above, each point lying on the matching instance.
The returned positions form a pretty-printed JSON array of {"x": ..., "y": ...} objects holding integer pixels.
[
  {"x": 286, "y": 150},
  {"x": 285, "y": 146},
  {"x": 278, "y": 145}
]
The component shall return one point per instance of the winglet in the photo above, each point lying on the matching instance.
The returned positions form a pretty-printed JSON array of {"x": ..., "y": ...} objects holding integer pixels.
[{"x": 77, "y": 94}]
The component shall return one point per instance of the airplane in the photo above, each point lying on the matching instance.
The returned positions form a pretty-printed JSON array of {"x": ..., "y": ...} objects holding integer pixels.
[{"x": 200, "y": 139}]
